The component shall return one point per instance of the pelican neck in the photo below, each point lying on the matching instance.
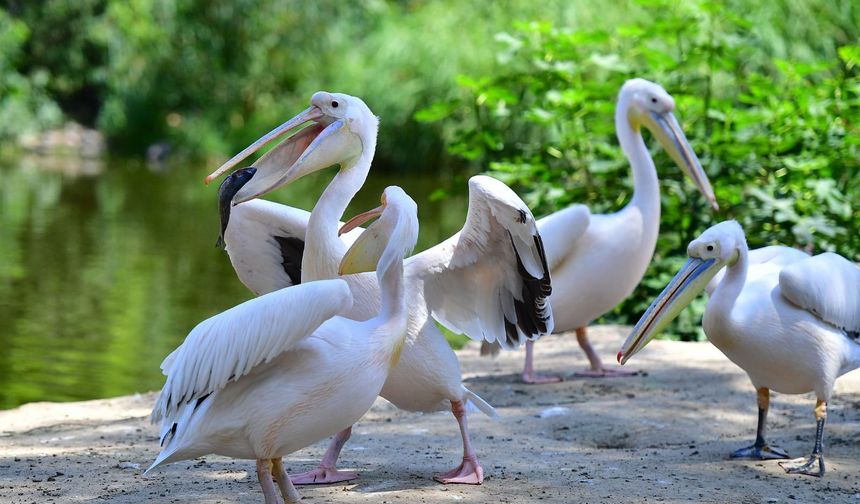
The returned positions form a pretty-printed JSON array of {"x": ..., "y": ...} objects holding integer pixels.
[
  {"x": 392, "y": 289},
  {"x": 732, "y": 284},
  {"x": 323, "y": 247},
  {"x": 646, "y": 187}
]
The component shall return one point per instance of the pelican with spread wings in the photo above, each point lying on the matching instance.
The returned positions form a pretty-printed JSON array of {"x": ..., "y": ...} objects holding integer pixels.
[{"x": 490, "y": 281}]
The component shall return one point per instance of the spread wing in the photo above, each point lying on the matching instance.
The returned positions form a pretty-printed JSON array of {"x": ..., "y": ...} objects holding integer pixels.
[
  {"x": 265, "y": 242},
  {"x": 826, "y": 285},
  {"x": 490, "y": 281},
  {"x": 229, "y": 345}
]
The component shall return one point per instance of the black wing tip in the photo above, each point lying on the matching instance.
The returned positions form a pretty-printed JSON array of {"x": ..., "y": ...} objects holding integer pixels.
[
  {"x": 533, "y": 311},
  {"x": 169, "y": 434}
]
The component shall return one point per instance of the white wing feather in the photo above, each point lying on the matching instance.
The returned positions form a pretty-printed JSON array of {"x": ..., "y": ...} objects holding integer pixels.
[
  {"x": 491, "y": 280},
  {"x": 252, "y": 242},
  {"x": 561, "y": 230},
  {"x": 229, "y": 345},
  {"x": 826, "y": 285}
]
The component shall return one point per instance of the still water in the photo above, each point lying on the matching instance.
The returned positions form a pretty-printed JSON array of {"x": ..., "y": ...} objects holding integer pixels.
[{"x": 106, "y": 265}]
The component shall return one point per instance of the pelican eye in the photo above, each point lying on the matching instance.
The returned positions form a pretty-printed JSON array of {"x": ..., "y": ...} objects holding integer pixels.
[
  {"x": 710, "y": 248},
  {"x": 653, "y": 100},
  {"x": 335, "y": 104}
]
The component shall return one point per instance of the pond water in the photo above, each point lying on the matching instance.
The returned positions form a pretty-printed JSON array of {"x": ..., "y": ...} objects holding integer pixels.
[{"x": 106, "y": 265}]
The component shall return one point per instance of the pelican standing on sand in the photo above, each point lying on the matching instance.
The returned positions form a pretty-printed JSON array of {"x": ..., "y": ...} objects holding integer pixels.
[
  {"x": 490, "y": 281},
  {"x": 789, "y": 320},
  {"x": 284, "y": 370},
  {"x": 597, "y": 260}
]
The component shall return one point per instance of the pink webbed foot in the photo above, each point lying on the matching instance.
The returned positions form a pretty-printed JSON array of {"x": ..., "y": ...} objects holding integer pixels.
[
  {"x": 603, "y": 372},
  {"x": 540, "y": 379},
  {"x": 469, "y": 472},
  {"x": 322, "y": 476}
]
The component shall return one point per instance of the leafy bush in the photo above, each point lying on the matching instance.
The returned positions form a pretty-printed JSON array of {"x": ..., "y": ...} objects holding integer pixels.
[
  {"x": 25, "y": 105},
  {"x": 779, "y": 138},
  {"x": 209, "y": 77}
]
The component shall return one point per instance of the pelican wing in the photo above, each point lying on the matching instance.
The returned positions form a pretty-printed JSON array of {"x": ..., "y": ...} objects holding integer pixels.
[
  {"x": 778, "y": 256},
  {"x": 561, "y": 230},
  {"x": 265, "y": 242},
  {"x": 490, "y": 281},
  {"x": 826, "y": 285},
  {"x": 227, "y": 346}
]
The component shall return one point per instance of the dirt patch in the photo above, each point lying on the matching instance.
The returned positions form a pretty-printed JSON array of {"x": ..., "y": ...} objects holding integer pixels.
[{"x": 661, "y": 437}]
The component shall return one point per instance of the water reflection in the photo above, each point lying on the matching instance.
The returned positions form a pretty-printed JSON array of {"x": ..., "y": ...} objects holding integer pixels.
[{"x": 106, "y": 266}]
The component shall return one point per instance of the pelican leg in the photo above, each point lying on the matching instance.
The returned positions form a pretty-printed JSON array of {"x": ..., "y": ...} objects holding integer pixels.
[
  {"x": 327, "y": 471},
  {"x": 289, "y": 492},
  {"x": 814, "y": 465},
  {"x": 264, "y": 474},
  {"x": 469, "y": 472},
  {"x": 596, "y": 367},
  {"x": 760, "y": 450},
  {"x": 529, "y": 376}
]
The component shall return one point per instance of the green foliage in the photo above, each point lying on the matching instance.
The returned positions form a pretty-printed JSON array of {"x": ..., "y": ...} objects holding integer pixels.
[
  {"x": 210, "y": 77},
  {"x": 24, "y": 101},
  {"x": 778, "y": 137}
]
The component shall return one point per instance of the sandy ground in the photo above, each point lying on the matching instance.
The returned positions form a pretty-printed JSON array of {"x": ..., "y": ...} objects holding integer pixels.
[{"x": 662, "y": 436}]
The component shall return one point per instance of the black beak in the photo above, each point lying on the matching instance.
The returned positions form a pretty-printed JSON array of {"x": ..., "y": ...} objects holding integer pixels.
[{"x": 229, "y": 187}]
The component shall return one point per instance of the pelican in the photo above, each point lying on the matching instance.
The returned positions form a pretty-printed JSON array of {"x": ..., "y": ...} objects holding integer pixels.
[
  {"x": 284, "y": 370},
  {"x": 789, "y": 320},
  {"x": 490, "y": 281},
  {"x": 597, "y": 260}
]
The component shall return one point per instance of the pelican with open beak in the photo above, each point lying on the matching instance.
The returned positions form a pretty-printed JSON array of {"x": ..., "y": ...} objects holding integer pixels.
[
  {"x": 789, "y": 320},
  {"x": 490, "y": 281},
  {"x": 322, "y": 135}
]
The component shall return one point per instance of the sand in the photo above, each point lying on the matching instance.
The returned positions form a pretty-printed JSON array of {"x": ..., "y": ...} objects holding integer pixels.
[{"x": 662, "y": 436}]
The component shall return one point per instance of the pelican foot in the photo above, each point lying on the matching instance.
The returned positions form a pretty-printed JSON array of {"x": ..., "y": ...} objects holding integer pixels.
[
  {"x": 603, "y": 372},
  {"x": 540, "y": 379},
  {"x": 469, "y": 472},
  {"x": 814, "y": 466},
  {"x": 322, "y": 476},
  {"x": 765, "y": 452}
]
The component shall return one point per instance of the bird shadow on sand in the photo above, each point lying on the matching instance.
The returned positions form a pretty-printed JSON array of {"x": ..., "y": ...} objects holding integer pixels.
[{"x": 665, "y": 437}]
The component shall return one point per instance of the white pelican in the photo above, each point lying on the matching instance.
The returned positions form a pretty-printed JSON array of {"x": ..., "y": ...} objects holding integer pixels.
[
  {"x": 597, "y": 260},
  {"x": 490, "y": 281},
  {"x": 789, "y": 320},
  {"x": 284, "y": 370}
]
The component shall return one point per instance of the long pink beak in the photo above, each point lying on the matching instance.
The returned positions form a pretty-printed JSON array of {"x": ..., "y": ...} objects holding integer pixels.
[{"x": 312, "y": 113}]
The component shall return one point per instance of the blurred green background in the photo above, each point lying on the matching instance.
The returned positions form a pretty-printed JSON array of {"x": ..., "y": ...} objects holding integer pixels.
[{"x": 107, "y": 260}]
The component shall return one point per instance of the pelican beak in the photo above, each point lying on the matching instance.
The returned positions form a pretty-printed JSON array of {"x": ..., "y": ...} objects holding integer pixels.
[
  {"x": 360, "y": 219},
  {"x": 317, "y": 146},
  {"x": 665, "y": 127},
  {"x": 687, "y": 284},
  {"x": 365, "y": 252},
  {"x": 312, "y": 113}
]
